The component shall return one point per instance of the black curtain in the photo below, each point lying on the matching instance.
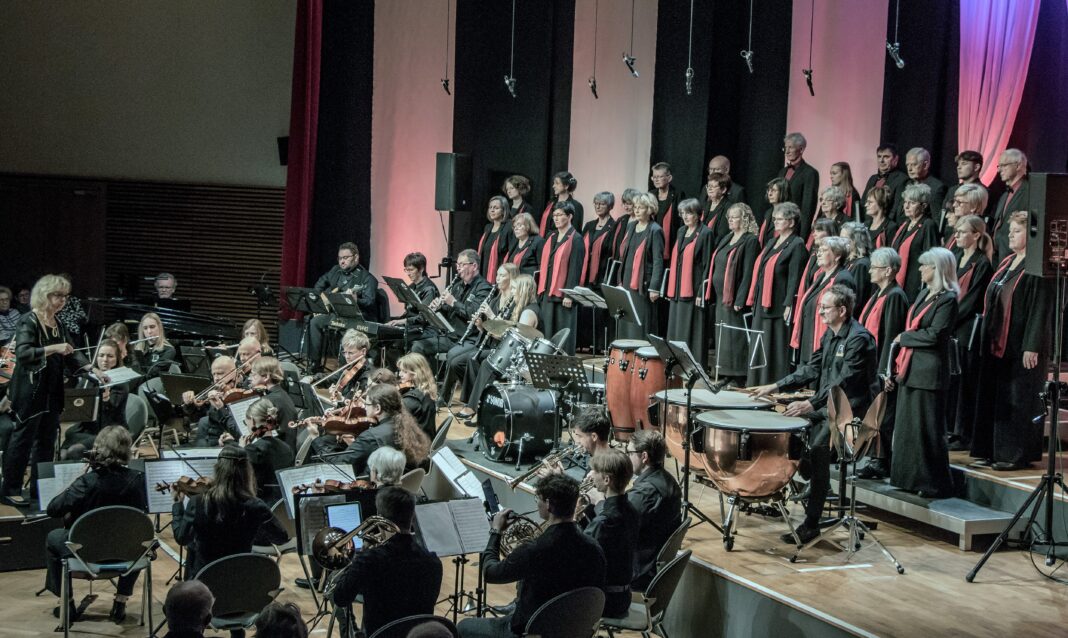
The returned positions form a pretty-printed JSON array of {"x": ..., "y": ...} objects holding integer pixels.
[
  {"x": 341, "y": 209},
  {"x": 731, "y": 112},
  {"x": 528, "y": 134},
  {"x": 920, "y": 101},
  {"x": 1041, "y": 127}
]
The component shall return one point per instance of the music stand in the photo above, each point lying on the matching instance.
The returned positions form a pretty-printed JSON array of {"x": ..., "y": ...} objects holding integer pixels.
[
  {"x": 406, "y": 296},
  {"x": 305, "y": 301},
  {"x": 175, "y": 385},
  {"x": 693, "y": 372},
  {"x": 562, "y": 373},
  {"x": 80, "y": 404},
  {"x": 589, "y": 299},
  {"x": 196, "y": 360},
  {"x": 620, "y": 304}
]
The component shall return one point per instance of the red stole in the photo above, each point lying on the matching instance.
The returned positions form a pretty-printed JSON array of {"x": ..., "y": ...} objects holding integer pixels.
[
  {"x": 637, "y": 263},
  {"x": 766, "y": 281},
  {"x": 904, "y": 249},
  {"x": 728, "y": 272},
  {"x": 872, "y": 315},
  {"x": 965, "y": 280},
  {"x": 951, "y": 242},
  {"x": 561, "y": 263},
  {"x": 517, "y": 258},
  {"x": 546, "y": 215},
  {"x": 491, "y": 272},
  {"x": 594, "y": 255},
  {"x": 818, "y": 325},
  {"x": 686, "y": 285},
  {"x": 879, "y": 183},
  {"x": 763, "y": 228},
  {"x": 1001, "y": 339},
  {"x": 849, "y": 205},
  {"x": 904, "y": 355}
]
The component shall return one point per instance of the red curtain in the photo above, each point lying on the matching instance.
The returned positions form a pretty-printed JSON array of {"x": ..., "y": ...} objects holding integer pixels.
[
  {"x": 303, "y": 129},
  {"x": 996, "y": 37}
]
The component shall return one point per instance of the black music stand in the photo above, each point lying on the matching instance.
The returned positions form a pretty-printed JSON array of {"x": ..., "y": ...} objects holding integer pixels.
[
  {"x": 308, "y": 302},
  {"x": 561, "y": 373},
  {"x": 406, "y": 296},
  {"x": 195, "y": 359},
  {"x": 589, "y": 299},
  {"x": 693, "y": 372},
  {"x": 621, "y": 306}
]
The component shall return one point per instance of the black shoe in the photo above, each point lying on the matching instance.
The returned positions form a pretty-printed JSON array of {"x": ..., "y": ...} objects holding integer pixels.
[
  {"x": 503, "y": 610},
  {"x": 981, "y": 463},
  {"x": 804, "y": 534},
  {"x": 958, "y": 445},
  {"x": 1006, "y": 466},
  {"x": 874, "y": 470},
  {"x": 118, "y": 611},
  {"x": 16, "y": 500},
  {"x": 304, "y": 583}
]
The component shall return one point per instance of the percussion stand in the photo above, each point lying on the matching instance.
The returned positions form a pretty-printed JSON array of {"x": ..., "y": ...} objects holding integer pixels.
[
  {"x": 691, "y": 425},
  {"x": 562, "y": 372}
]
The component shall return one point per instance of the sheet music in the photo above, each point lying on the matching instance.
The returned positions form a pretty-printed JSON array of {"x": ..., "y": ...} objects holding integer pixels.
[
  {"x": 438, "y": 529},
  {"x": 48, "y": 489},
  {"x": 465, "y": 482},
  {"x": 313, "y": 516},
  {"x": 169, "y": 471},
  {"x": 193, "y": 453},
  {"x": 471, "y": 524},
  {"x": 307, "y": 474},
  {"x": 238, "y": 409},
  {"x": 120, "y": 375}
]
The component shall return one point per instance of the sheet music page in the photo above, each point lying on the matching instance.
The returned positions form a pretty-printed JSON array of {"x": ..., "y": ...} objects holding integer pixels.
[
  {"x": 313, "y": 517},
  {"x": 169, "y": 471},
  {"x": 48, "y": 489},
  {"x": 449, "y": 464},
  {"x": 471, "y": 486},
  {"x": 438, "y": 528},
  {"x": 238, "y": 409},
  {"x": 119, "y": 375},
  {"x": 308, "y": 474},
  {"x": 193, "y": 453},
  {"x": 472, "y": 525}
]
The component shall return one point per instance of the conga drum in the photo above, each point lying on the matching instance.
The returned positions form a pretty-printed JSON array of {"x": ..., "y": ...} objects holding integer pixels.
[
  {"x": 617, "y": 376},
  {"x": 648, "y": 379},
  {"x": 672, "y": 414},
  {"x": 750, "y": 454}
]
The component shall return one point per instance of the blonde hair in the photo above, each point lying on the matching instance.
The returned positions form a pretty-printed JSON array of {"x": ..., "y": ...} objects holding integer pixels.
[
  {"x": 749, "y": 224},
  {"x": 47, "y": 285},
  {"x": 527, "y": 220},
  {"x": 261, "y": 411},
  {"x": 945, "y": 270},
  {"x": 646, "y": 201},
  {"x": 355, "y": 339},
  {"x": 268, "y": 367},
  {"x": 161, "y": 341},
  {"x": 416, "y": 364}
]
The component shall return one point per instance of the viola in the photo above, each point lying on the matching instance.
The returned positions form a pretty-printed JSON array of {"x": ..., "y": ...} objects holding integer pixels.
[
  {"x": 238, "y": 394},
  {"x": 185, "y": 485},
  {"x": 332, "y": 485}
]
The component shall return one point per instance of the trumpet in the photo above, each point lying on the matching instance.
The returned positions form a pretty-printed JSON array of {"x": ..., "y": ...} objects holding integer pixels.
[
  {"x": 520, "y": 531},
  {"x": 556, "y": 456}
]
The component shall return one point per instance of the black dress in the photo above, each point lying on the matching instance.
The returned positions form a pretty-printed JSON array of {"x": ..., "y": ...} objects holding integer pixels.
[
  {"x": 715, "y": 218},
  {"x": 526, "y": 256},
  {"x": 493, "y": 246},
  {"x": 643, "y": 270},
  {"x": 1016, "y": 320},
  {"x": 686, "y": 283},
  {"x": 808, "y": 326},
  {"x": 884, "y": 317},
  {"x": 668, "y": 217},
  {"x": 731, "y": 277},
  {"x": 151, "y": 362},
  {"x": 974, "y": 277},
  {"x": 562, "y": 263},
  {"x": 860, "y": 270},
  {"x": 910, "y": 243},
  {"x": 882, "y": 236},
  {"x": 211, "y": 535},
  {"x": 776, "y": 279},
  {"x": 920, "y": 461}
]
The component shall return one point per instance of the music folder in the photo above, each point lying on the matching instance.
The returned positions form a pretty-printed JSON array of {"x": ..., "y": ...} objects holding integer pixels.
[{"x": 453, "y": 528}]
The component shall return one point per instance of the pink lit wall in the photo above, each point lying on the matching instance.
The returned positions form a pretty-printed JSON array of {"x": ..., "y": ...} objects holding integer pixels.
[
  {"x": 842, "y": 122},
  {"x": 611, "y": 136},
  {"x": 411, "y": 121}
]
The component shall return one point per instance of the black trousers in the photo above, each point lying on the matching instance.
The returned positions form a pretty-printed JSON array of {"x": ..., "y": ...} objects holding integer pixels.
[
  {"x": 42, "y": 429},
  {"x": 316, "y": 331},
  {"x": 56, "y": 551}
]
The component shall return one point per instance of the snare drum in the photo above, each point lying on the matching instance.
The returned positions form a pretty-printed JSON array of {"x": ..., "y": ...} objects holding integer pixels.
[
  {"x": 672, "y": 414},
  {"x": 512, "y": 345},
  {"x": 538, "y": 346},
  {"x": 647, "y": 380},
  {"x": 751, "y": 454},
  {"x": 509, "y": 413},
  {"x": 617, "y": 376}
]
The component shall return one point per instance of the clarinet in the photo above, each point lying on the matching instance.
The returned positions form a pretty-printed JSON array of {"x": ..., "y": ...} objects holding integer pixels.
[
  {"x": 507, "y": 312},
  {"x": 478, "y": 313}
]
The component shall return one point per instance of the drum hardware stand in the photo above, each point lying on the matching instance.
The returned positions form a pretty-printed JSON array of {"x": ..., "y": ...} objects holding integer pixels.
[
  {"x": 561, "y": 373},
  {"x": 1043, "y": 492},
  {"x": 691, "y": 425},
  {"x": 589, "y": 299},
  {"x": 620, "y": 304},
  {"x": 736, "y": 503}
]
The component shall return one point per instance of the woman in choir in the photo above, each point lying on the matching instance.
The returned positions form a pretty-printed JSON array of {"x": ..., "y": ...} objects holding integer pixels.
[
  {"x": 497, "y": 238},
  {"x": 562, "y": 260},
  {"x": 419, "y": 390},
  {"x": 831, "y": 205},
  {"x": 715, "y": 212},
  {"x": 859, "y": 261},
  {"x": 973, "y": 251},
  {"x": 920, "y": 459},
  {"x": 831, "y": 255},
  {"x": 564, "y": 185},
  {"x": 877, "y": 210},
  {"x": 884, "y": 317},
  {"x": 917, "y": 233},
  {"x": 778, "y": 191},
  {"x": 642, "y": 254},
  {"x": 80, "y": 436},
  {"x": 596, "y": 239},
  {"x": 255, "y": 328},
  {"x": 526, "y": 249},
  {"x": 822, "y": 228},
  {"x": 627, "y": 198},
  {"x": 687, "y": 275},
  {"x": 156, "y": 354},
  {"x": 773, "y": 295},
  {"x": 1015, "y": 345},
  {"x": 842, "y": 179},
  {"x": 729, "y": 276},
  {"x": 968, "y": 199},
  {"x": 516, "y": 188}
]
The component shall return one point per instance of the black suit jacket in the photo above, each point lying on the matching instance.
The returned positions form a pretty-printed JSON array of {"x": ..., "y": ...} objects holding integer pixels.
[
  {"x": 370, "y": 440},
  {"x": 928, "y": 369},
  {"x": 210, "y": 538},
  {"x": 804, "y": 191},
  {"x": 657, "y": 497},
  {"x": 287, "y": 412},
  {"x": 895, "y": 181},
  {"x": 615, "y": 528},
  {"x": 1021, "y": 200},
  {"x": 102, "y": 487},
  {"x": 336, "y": 278}
]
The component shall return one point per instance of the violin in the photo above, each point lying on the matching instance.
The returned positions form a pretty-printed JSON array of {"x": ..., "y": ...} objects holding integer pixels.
[
  {"x": 354, "y": 423},
  {"x": 185, "y": 486},
  {"x": 238, "y": 394},
  {"x": 332, "y": 486},
  {"x": 7, "y": 362}
]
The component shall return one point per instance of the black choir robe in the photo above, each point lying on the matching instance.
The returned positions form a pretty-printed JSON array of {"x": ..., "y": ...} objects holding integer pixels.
[
  {"x": 854, "y": 206},
  {"x": 735, "y": 194},
  {"x": 545, "y": 223},
  {"x": 882, "y": 236},
  {"x": 1017, "y": 308},
  {"x": 641, "y": 273},
  {"x": 617, "y": 238},
  {"x": 686, "y": 283},
  {"x": 884, "y": 318},
  {"x": 895, "y": 180},
  {"x": 1010, "y": 201},
  {"x": 804, "y": 191},
  {"x": 770, "y": 294},
  {"x": 730, "y": 277},
  {"x": 938, "y": 193},
  {"x": 493, "y": 247},
  {"x": 767, "y": 228},
  {"x": 916, "y": 241},
  {"x": 524, "y": 207},
  {"x": 973, "y": 277},
  {"x": 527, "y": 256},
  {"x": 667, "y": 215},
  {"x": 716, "y": 220},
  {"x": 808, "y": 326},
  {"x": 860, "y": 269},
  {"x": 562, "y": 262},
  {"x": 920, "y": 458},
  {"x": 597, "y": 243}
]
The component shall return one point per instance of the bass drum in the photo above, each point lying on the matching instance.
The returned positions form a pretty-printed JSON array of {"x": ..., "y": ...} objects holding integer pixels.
[
  {"x": 671, "y": 409},
  {"x": 510, "y": 413},
  {"x": 647, "y": 380},
  {"x": 511, "y": 347},
  {"x": 617, "y": 377},
  {"x": 750, "y": 454}
]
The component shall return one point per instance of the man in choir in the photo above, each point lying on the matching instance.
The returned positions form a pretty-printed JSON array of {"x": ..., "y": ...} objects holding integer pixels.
[
  {"x": 803, "y": 178},
  {"x": 346, "y": 277},
  {"x": 667, "y": 203},
  {"x": 1012, "y": 169},
  {"x": 165, "y": 285},
  {"x": 969, "y": 166},
  {"x": 888, "y": 175},
  {"x": 657, "y": 497},
  {"x": 559, "y": 560},
  {"x": 846, "y": 358},
  {"x": 424, "y": 288},
  {"x": 918, "y": 165},
  {"x": 720, "y": 165}
]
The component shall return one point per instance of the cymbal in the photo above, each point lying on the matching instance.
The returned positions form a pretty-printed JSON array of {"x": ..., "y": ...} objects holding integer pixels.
[
  {"x": 527, "y": 331},
  {"x": 497, "y": 327}
]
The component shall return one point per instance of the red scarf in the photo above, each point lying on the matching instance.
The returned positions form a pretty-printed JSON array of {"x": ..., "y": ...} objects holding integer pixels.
[
  {"x": 491, "y": 273},
  {"x": 686, "y": 285},
  {"x": 818, "y": 325},
  {"x": 728, "y": 273},
  {"x": 766, "y": 281},
  {"x": 561, "y": 263},
  {"x": 965, "y": 280},
  {"x": 872, "y": 315},
  {"x": 849, "y": 205},
  {"x": 903, "y": 250},
  {"x": 1001, "y": 339},
  {"x": 637, "y": 263},
  {"x": 517, "y": 258},
  {"x": 546, "y": 215},
  {"x": 904, "y": 355},
  {"x": 594, "y": 255}
]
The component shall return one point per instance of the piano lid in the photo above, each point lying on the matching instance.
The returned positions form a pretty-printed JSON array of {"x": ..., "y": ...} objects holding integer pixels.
[{"x": 179, "y": 324}]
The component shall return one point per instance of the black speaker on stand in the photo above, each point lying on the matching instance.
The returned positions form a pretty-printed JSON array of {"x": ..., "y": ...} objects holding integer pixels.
[{"x": 452, "y": 182}]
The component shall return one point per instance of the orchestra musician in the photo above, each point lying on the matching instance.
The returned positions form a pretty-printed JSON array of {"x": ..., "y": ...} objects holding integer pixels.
[
  {"x": 254, "y": 328},
  {"x": 642, "y": 254},
  {"x": 394, "y": 427},
  {"x": 778, "y": 191},
  {"x": 859, "y": 261},
  {"x": 564, "y": 185},
  {"x": 248, "y": 350},
  {"x": 888, "y": 176},
  {"x": 846, "y": 358},
  {"x": 842, "y": 178},
  {"x": 667, "y": 203},
  {"x": 687, "y": 276},
  {"x": 397, "y": 578},
  {"x": 165, "y": 286},
  {"x": 730, "y": 274},
  {"x": 212, "y": 417},
  {"x": 884, "y": 318},
  {"x": 156, "y": 354},
  {"x": 354, "y": 380},
  {"x": 657, "y": 498},
  {"x": 916, "y": 234},
  {"x": 419, "y": 391},
  {"x": 80, "y": 436},
  {"x": 348, "y": 276},
  {"x": 1015, "y": 342},
  {"x": 803, "y": 179},
  {"x": 516, "y": 188},
  {"x": 267, "y": 452},
  {"x": 459, "y": 301},
  {"x": 226, "y": 518},
  {"x": 42, "y": 351},
  {"x": 120, "y": 334},
  {"x": 615, "y": 526},
  {"x": 920, "y": 459},
  {"x": 559, "y": 560},
  {"x": 563, "y": 259},
  {"x": 877, "y": 204},
  {"x": 266, "y": 376},
  {"x": 385, "y": 466},
  {"x": 424, "y": 288},
  {"x": 526, "y": 249},
  {"x": 9, "y": 315},
  {"x": 497, "y": 237},
  {"x": 108, "y": 482},
  {"x": 773, "y": 295},
  {"x": 831, "y": 255}
]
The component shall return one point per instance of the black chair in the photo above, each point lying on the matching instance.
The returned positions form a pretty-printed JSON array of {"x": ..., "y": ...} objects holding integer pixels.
[
  {"x": 572, "y": 614},
  {"x": 647, "y": 616},
  {"x": 399, "y": 628},
  {"x": 243, "y": 584},
  {"x": 381, "y": 306},
  {"x": 442, "y": 435},
  {"x": 670, "y": 548}
]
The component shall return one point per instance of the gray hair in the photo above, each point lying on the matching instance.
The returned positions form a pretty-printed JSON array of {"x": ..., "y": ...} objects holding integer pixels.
[
  {"x": 860, "y": 236},
  {"x": 837, "y": 245},
  {"x": 788, "y": 210},
  {"x": 356, "y": 339},
  {"x": 796, "y": 139},
  {"x": 606, "y": 198},
  {"x": 388, "y": 464},
  {"x": 628, "y": 195},
  {"x": 945, "y": 270},
  {"x": 1014, "y": 155},
  {"x": 886, "y": 256},
  {"x": 919, "y": 153},
  {"x": 918, "y": 193},
  {"x": 975, "y": 195},
  {"x": 836, "y": 196}
]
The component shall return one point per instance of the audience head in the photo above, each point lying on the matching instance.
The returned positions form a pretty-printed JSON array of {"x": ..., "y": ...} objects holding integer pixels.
[
  {"x": 188, "y": 607},
  {"x": 165, "y": 285},
  {"x": 281, "y": 620},
  {"x": 397, "y": 504},
  {"x": 386, "y": 465},
  {"x": 50, "y": 293},
  {"x": 5, "y": 299},
  {"x": 557, "y": 495},
  {"x": 592, "y": 428}
]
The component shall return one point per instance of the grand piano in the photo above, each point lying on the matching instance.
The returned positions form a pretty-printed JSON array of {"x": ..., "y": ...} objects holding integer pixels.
[{"x": 179, "y": 324}]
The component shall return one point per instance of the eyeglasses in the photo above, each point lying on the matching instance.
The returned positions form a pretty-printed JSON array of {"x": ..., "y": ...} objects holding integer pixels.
[
  {"x": 464, "y": 263},
  {"x": 824, "y": 308},
  {"x": 631, "y": 451}
]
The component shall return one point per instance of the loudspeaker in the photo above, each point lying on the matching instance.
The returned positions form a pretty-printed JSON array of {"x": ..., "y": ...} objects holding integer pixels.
[
  {"x": 283, "y": 150},
  {"x": 452, "y": 182},
  {"x": 1047, "y": 234}
]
